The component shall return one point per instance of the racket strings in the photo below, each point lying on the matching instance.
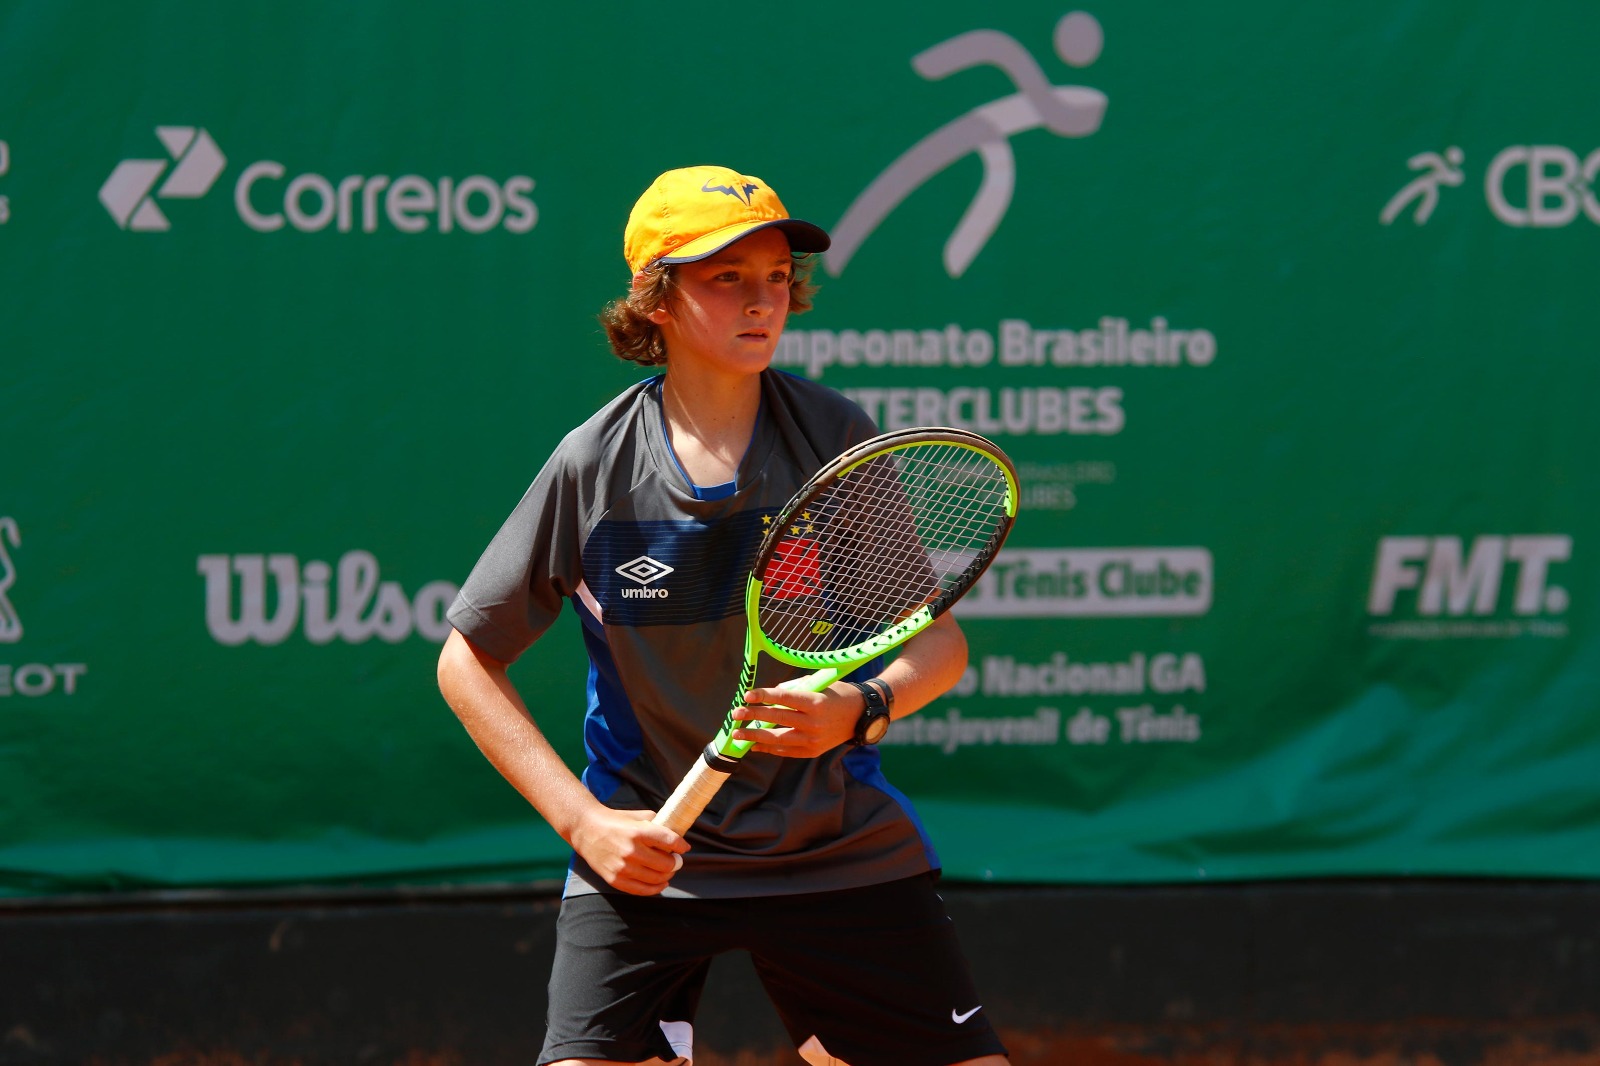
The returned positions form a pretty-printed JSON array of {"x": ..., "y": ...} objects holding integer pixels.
[{"x": 890, "y": 536}]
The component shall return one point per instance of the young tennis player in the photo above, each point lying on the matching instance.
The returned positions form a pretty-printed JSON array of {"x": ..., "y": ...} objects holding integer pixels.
[{"x": 646, "y": 519}]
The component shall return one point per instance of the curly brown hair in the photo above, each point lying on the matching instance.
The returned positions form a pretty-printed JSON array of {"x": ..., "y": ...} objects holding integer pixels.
[{"x": 637, "y": 339}]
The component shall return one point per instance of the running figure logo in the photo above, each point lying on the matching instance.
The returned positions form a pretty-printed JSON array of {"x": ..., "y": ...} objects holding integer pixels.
[
  {"x": 1066, "y": 111},
  {"x": 1438, "y": 170},
  {"x": 10, "y": 623}
]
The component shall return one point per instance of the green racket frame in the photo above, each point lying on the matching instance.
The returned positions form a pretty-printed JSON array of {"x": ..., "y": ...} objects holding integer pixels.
[{"x": 721, "y": 756}]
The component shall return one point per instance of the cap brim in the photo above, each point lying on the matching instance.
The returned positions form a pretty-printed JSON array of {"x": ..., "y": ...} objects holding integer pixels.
[{"x": 803, "y": 237}]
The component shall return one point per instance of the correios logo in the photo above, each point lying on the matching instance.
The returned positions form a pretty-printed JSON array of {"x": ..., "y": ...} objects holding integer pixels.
[
  {"x": 410, "y": 203},
  {"x": 264, "y": 598},
  {"x": 127, "y": 192},
  {"x": 268, "y": 196}
]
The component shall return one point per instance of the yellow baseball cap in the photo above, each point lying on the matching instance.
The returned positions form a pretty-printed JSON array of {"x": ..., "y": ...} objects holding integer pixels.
[{"x": 688, "y": 214}]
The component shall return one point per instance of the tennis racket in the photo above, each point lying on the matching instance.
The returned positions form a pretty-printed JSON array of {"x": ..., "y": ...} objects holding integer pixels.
[{"x": 863, "y": 558}]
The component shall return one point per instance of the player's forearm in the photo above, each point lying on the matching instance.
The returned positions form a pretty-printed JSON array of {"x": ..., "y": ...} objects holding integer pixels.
[
  {"x": 927, "y": 666},
  {"x": 492, "y": 711}
]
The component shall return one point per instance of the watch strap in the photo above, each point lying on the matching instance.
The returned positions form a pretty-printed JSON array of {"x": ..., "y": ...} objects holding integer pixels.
[
  {"x": 876, "y": 707},
  {"x": 883, "y": 686}
]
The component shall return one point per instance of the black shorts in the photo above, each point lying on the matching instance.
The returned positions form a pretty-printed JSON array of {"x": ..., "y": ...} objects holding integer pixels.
[{"x": 874, "y": 975}]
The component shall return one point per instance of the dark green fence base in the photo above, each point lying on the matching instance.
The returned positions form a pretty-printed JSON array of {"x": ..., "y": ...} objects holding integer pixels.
[{"x": 1355, "y": 973}]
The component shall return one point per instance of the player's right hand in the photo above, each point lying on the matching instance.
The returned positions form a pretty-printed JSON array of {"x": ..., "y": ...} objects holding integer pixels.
[{"x": 630, "y": 852}]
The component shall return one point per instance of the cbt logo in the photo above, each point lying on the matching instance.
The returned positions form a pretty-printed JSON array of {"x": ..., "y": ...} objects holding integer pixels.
[
  {"x": 267, "y": 197},
  {"x": 1538, "y": 186},
  {"x": 1439, "y": 576},
  {"x": 1556, "y": 184}
]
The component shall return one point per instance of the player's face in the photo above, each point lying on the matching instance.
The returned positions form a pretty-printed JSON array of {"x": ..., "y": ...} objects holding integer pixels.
[{"x": 730, "y": 309}]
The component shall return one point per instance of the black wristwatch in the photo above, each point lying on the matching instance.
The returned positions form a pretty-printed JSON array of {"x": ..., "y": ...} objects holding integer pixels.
[{"x": 874, "y": 720}]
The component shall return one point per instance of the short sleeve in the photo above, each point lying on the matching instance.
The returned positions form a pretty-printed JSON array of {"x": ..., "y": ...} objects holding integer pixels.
[{"x": 516, "y": 590}]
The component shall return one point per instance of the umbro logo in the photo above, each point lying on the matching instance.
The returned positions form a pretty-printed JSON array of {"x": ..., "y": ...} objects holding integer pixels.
[{"x": 645, "y": 571}]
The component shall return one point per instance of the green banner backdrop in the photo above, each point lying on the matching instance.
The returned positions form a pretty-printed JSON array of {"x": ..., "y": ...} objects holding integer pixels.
[{"x": 1285, "y": 313}]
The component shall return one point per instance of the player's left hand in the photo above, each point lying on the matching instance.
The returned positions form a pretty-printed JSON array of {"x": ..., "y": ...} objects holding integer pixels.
[{"x": 804, "y": 724}]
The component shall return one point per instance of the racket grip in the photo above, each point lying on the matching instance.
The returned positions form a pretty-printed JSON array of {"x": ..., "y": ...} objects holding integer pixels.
[
  {"x": 815, "y": 682},
  {"x": 690, "y": 797}
]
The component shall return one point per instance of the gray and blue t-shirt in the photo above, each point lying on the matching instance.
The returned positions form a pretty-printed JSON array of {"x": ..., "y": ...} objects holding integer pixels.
[{"x": 655, "y": 569}]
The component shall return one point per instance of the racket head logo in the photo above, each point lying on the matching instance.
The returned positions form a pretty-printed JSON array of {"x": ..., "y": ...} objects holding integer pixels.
[{"x": 794, "y": 572}]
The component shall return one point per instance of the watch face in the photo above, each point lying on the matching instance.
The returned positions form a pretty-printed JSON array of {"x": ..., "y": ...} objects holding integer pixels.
[{"x": 876, "y": 729}]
